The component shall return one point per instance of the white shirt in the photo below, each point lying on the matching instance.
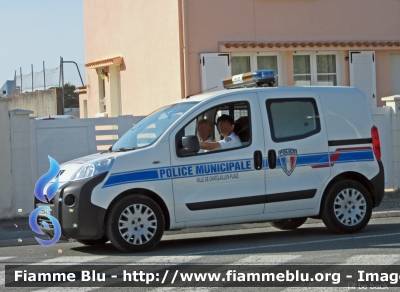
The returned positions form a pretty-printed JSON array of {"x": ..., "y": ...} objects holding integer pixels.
[
  {"x": 231, "y": 141},
  {"x": 210, "y": 139}
]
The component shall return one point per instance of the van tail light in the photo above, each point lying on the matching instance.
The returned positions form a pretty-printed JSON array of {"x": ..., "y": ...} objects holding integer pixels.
[{"x": 376, "y": 144}]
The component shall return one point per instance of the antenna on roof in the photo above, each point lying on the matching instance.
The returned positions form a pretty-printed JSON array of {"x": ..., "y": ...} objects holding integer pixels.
[{"x": 201, "y": 91}]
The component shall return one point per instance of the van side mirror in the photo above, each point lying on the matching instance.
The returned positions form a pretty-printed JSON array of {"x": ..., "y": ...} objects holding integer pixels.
[{"x": 191, "y": 144}]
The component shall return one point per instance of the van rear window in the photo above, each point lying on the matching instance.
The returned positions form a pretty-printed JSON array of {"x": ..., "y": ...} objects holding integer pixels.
[{"x": 292, "y": 118}]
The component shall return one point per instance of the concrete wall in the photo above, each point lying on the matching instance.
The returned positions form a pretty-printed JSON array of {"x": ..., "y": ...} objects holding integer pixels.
[
  {"x": 41, "y": 102},
  {"x": 6, "y": 199},
  {"x": 16, "y": 194},
  {"x": 394, "y": 103},
  {"x": 146, "y": 34},
  {"x": 23, "y": 186}
]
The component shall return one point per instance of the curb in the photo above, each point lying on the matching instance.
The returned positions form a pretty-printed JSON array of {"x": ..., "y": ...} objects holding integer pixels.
[
  {"x": 385, "y": 214},
  {"x": 375, "y": 215}
]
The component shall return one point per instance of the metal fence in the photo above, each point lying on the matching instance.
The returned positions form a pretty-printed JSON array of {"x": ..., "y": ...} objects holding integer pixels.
[{"x": 47, "y": 78}]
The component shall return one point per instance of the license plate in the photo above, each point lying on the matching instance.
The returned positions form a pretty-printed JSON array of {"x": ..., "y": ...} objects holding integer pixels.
[{"x": 45, "y": 212}]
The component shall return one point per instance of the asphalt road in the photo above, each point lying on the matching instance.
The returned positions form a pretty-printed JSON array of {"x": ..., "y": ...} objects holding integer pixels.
[{"x": 377, "y": 244}]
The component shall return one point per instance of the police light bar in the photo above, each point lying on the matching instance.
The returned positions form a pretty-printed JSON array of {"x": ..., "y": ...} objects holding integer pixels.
[{"x": 259, "y": 78}]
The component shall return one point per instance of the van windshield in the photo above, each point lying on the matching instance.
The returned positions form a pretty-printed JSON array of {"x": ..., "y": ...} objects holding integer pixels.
[{"x": 148, "y": 130}]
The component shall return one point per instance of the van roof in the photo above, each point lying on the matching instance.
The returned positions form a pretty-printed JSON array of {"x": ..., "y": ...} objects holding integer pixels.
[{"x": 203, "y": 96}]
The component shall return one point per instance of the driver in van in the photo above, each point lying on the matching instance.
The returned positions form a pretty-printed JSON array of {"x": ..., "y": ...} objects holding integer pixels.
[
  {"x": 204, "y": 131},
  {"x": 225, "y": 125}
]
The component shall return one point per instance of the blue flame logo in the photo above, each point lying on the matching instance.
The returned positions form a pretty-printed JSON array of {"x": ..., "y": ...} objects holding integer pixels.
[{"x": 39, "y": 194}]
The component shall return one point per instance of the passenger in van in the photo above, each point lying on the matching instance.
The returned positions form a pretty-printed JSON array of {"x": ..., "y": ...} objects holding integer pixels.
[
  {"x": 204, "y": 131},
  {"x": 225, "y": 125}
]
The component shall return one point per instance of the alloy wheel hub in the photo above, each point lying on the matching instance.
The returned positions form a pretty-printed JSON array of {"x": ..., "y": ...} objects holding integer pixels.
[
  {"x": 137, "y": 224},
  {"x": 350, "y": 207}
]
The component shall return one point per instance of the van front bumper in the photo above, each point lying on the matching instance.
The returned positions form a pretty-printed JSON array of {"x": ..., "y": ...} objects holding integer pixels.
[{"x": 72, "y": 207}]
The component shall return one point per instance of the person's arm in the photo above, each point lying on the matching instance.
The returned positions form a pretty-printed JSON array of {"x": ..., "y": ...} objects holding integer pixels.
[
  {"x": 230, "y": 142},
  {"x": 209, "y": 145}
]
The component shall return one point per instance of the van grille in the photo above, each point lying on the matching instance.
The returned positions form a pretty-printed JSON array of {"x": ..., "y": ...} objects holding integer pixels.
[{"x": 40, "y": 219}]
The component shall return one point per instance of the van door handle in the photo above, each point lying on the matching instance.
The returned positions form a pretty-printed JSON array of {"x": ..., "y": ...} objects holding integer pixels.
[
  {"x": 271, "y": 159},
  {"x": 257, "y": 160}
]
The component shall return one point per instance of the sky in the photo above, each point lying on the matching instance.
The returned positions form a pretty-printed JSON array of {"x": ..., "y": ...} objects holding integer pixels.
[{"x": 33, "y": 31}]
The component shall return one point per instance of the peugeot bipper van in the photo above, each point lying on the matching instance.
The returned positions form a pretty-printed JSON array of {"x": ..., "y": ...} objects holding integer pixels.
[{"x": 304, "y": 152}]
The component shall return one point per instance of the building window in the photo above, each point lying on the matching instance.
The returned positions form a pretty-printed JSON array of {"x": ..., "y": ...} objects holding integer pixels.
[
  {"x": 395, "y": 73},
  {"x": 315, "y": 69},
  {"x": 326, "y": 70},
  {"x": 302, "y": 70},
  {"x": 249, "y": 62},
  {"x": 241, "y": 64}
]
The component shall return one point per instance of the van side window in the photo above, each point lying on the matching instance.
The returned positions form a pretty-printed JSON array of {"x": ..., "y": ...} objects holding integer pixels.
[
  {"x": 239, "y": 111},
  {"x": 191, "y": 128},
  {"x": 292, "y": 118}
]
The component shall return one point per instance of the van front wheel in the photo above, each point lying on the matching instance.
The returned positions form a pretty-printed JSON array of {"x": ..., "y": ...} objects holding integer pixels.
[
  {"x": 135, "y": 223},
  {"x": 347, "y": 207},
  {"x": 288, "y": 224}
]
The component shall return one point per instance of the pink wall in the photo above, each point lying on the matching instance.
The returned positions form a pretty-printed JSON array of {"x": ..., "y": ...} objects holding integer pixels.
[
  {"x": 383, "y": 75},
  {"x": 161, "y": 61},
  {"x": 146, "y": 34},
  {"x": 209, "y": 22}
]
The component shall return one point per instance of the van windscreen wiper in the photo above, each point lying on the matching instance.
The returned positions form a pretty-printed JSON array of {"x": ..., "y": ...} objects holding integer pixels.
[{"x": 124, "y": 149}]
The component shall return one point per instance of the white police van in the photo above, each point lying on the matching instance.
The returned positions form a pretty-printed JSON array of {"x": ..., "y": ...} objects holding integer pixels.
[{"x": 305, "y": 152}]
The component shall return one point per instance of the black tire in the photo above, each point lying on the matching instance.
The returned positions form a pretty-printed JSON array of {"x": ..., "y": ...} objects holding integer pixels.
[
  {"x": 99, "y": 241},
  {"x": 344, "y": 198},
  {"x": 144, "y": 225},
  {"x": 288, "y": 224}
]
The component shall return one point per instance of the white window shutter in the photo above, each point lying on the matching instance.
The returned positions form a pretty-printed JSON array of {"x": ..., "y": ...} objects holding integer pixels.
[
  {"x": 395, "y": 71},
  {"x": 214, "y": 67},
  {"x": 362, "y": 74}
]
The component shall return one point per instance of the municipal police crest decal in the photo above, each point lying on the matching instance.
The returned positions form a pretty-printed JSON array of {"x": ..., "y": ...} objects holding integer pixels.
[{"x": 288, "y": 160}]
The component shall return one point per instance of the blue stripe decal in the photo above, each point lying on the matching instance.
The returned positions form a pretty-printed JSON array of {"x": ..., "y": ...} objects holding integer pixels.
[
  {"x": 313, "y": 159},
  {"x": 182, "y": 171},
  {"x": 233, "y": 166},
  {"x": 308, "y": 160},
  {"x": 132, "y": 177},
  {"x": 356, "y": 155}
]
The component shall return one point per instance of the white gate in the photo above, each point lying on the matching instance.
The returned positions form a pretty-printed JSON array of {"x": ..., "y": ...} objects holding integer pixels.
[
  {"x": 382, "y": 120},
  {"x": 65, "y": 140}
]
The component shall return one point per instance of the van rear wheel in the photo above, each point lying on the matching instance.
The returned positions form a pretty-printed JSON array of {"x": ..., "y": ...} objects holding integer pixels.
[
  {"x": 346, "y": 207},
  {"x": 289, "y": 224},
  {"x": 135, "y": 223}
]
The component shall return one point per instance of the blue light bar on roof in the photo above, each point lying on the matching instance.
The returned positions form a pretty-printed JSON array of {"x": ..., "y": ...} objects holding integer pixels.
[{"x": 259, "y": 78}]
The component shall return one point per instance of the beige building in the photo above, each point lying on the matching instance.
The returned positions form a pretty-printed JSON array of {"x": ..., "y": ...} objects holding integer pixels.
[{"x": 144, "y": 54}]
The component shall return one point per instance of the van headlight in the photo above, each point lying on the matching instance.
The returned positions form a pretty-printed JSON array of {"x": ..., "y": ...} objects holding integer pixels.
[{"x": 93, "y": 168}]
